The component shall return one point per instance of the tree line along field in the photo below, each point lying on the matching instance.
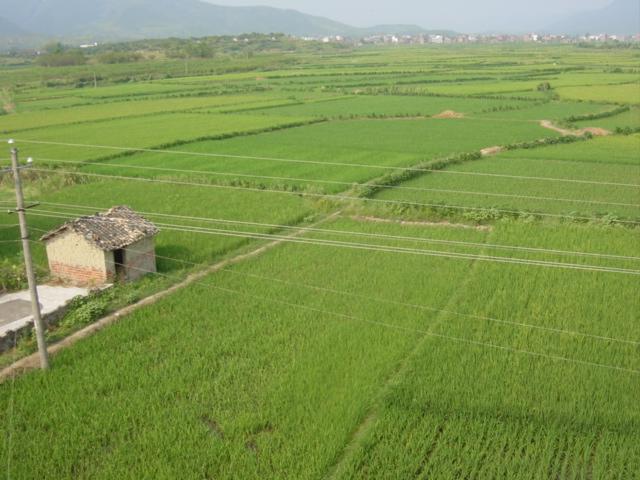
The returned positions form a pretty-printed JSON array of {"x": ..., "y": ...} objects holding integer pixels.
[{"x": 439, "y": 313}]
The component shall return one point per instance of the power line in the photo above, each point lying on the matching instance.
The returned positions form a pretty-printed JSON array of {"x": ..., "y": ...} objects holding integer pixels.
[
  {"x": 368, "y": 246},
  {"x": 407, "y": 329},
  {"x": 391, "y": 249},
  {"x": 404, "y": 304},
  {"x": 331, "y": 164},
  {"x": 319, "y": 195},
  {"x": 360, "y": 234},
  {"x": 424, "y": 307},
  {"x": 377, "y": 248},
  {"x": 351, "y": 184},
  {"x": 393, "y": 302}
]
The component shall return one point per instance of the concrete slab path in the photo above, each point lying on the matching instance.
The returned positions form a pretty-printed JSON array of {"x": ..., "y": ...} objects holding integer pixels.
[{"x": 15, "y": 308}]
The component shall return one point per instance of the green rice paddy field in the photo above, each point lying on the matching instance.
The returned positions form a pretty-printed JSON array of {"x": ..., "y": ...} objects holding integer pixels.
[{"x": 454, "y": 293}]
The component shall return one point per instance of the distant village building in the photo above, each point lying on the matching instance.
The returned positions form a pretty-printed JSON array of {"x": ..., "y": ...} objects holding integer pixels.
[{"x": 118, "y": 244}]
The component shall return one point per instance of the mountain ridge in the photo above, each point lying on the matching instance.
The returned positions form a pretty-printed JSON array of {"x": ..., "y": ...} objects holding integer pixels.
[
  {"x": 121, "y": 20},
  {"x": 138, "y": 19}
]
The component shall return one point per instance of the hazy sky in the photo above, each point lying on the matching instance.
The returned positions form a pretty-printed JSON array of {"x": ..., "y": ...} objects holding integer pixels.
[{"x": 463, "y": 15}]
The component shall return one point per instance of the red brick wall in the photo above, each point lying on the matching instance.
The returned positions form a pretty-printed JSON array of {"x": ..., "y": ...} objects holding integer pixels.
[{"x": 79, "y": 275}]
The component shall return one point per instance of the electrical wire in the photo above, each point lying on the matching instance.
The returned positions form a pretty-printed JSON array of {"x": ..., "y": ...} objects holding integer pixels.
[
  {"x": 423, "y": 307},
  {"x": 352, "y": 233},
  {"x": 397, "y": 303},
  {"x": 316, "y": 162},
  {"x": 377, "y": 248},
  {"x": 343, "y": 316},
  {"x": 390, "y": 249},
  {"x": 355, "y": 185},
  {"x": 327, "y": 196}
]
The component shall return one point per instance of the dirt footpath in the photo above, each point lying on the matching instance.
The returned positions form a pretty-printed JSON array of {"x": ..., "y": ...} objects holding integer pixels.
[
  {"x": 595, "y": 131},
  {"x": 486, "y": 152}
]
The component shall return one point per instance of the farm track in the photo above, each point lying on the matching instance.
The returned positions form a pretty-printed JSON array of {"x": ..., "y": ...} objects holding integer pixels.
[
  {"x": 598, "y": 132},
  {"x": 364, "y": 427},
  {"x": 32, "y": 361}
]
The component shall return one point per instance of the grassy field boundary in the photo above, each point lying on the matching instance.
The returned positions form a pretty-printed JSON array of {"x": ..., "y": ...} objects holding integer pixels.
[
  {"x": 426, "y": 167},
  {"x": 291, "y": 103},
  {"x": 83, "y": 101},
  {"x": 190, "y": 110},
  {"x": 224, "y": 136},
  {"x": 596, "y": 116},
  {"x": 423, "y": 93},
  {"x": 411, "y": 211}
]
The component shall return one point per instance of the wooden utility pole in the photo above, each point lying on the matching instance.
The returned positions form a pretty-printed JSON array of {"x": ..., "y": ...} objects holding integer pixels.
[{"x": 28, "y": 262}]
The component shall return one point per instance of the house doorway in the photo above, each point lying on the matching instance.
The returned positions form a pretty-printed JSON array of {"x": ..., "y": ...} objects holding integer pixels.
[{"x": 118, "y": 260}]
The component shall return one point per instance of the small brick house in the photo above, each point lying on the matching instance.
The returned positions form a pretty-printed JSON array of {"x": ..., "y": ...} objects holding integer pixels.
[{"x": 118, "y": 244}]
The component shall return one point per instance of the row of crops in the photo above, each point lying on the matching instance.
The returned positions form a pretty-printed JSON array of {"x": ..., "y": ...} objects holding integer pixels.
[{"x": 428, "y": 311}]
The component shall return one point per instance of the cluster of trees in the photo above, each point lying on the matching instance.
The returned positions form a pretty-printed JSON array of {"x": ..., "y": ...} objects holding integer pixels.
[
  {"x": 119, "y": 57},
  {"x": 58, "y": 55},
  {"x": 544, "y": 87},
  {"x": 225, "y": 45},
  {"x": 610, "y": 44}
]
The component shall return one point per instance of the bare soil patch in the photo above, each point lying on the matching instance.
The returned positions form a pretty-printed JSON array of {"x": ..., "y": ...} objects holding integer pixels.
[
  {"x": 595, "y": 131},
  {"x": 491, "y": 151},
  {"x": 598, "y": 132},
  {"x": 483, "y": 228},
  {"x": 449, "y": 114}
]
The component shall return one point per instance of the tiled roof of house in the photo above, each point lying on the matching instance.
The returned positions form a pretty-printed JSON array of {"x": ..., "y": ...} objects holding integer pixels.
[{"x": 112, "y": 230}]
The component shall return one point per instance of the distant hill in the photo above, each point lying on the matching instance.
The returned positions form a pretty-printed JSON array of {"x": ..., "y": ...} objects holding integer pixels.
[
  {"x": 136, "y": 19},
  {"x": 129, "y": 19},
  {"x": 621, "y": 17}
]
